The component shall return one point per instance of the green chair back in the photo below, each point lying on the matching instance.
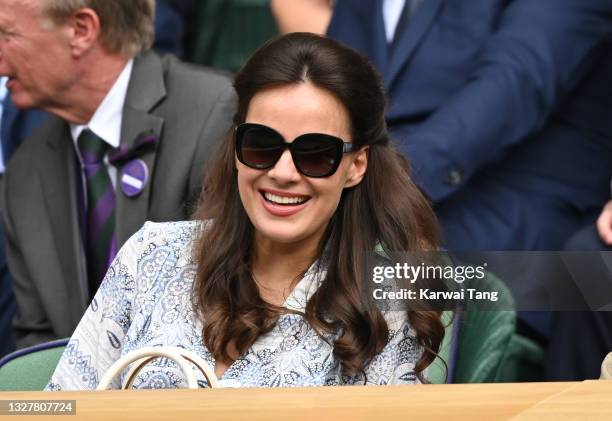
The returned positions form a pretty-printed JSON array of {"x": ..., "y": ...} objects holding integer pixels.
[
  {"x": 485, "y": 334},
  {"x": 228, "y": 31},
  {"x": 486, "y": 347},
  {"x": 523, "y": 361},
  {"x": 440, "y": 369},
  {"x": 490, "y": 349},
  {"x": 30, "y": 368}
]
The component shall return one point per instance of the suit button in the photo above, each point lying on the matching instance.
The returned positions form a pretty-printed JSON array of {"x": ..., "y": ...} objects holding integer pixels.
[{"x": 454, "y": 178}]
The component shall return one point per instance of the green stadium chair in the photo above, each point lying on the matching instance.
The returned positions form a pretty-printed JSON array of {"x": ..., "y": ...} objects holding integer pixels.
[
  {"x": 30, "y": 368},
  {"x": 228, "y": 31},
  {"x": 482, "y": 346}
]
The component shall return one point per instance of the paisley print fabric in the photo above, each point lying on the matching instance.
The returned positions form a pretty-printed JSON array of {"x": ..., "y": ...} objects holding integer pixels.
[{"x": 145, "y": 300}]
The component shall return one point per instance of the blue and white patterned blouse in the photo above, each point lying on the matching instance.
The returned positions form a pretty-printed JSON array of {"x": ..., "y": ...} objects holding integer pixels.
[{"x": 144, "y": 301}]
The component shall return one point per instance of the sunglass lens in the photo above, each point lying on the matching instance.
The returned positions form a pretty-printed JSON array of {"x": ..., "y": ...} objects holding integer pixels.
[
  {"x": 316, "y": 155},
  {"x": 261, "y": 148}
]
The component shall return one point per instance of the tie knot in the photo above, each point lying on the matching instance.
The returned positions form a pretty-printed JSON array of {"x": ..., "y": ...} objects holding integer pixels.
[{"x": 92, "y": 147}]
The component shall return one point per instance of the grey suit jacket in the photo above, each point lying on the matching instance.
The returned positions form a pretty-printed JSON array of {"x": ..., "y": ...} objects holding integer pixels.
[{"x": 188, "y": 108}]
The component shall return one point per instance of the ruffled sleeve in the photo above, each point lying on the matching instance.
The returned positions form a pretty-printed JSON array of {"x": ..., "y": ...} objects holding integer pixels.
[{"x": 98, "y": 339}]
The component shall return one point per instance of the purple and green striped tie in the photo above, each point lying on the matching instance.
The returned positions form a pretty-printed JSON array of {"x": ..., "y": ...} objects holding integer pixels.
[{"x": 100, "y": 242}]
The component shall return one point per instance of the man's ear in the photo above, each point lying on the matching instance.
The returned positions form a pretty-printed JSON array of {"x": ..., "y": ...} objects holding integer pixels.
[
  {"x": 85, "y": 31},
  {"x": 359, "y": 165}
]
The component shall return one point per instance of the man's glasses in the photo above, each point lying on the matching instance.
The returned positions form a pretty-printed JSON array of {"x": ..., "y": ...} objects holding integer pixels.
[{"x": 314, "y": 154}]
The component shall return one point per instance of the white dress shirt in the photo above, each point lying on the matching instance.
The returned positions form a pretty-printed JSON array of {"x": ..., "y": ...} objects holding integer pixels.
[
  {"x": 392, "y": 10},
  {"x": 106, "y": 121}
]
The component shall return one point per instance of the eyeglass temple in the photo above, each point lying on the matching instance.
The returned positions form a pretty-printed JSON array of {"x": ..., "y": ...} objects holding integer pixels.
[{"x": 348, "y": 147}]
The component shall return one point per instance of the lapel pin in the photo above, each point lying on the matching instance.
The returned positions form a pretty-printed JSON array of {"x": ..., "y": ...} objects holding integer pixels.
[{"x": 134, "y": 176}]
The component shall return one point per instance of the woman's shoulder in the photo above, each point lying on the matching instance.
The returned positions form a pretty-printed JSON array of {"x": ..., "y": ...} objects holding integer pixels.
[
  {"x": 169, "y": 238},
  {"x": 170, "y": 232},
  {"x": 398, "y": 321}
]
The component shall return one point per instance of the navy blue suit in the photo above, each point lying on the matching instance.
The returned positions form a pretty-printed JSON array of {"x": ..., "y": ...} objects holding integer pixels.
[
  {"x": 503, "y": 107},
  {"x": 170, "y": 25},
  {"x": 16, "y": 126},
  {"x": 578, "y": 357}
]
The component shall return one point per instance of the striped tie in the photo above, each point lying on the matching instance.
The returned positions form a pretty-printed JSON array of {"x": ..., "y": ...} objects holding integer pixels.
[{"x": 100, "y": 242}]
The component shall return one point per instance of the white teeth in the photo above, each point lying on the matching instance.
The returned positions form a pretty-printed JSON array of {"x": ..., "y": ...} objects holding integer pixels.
[{"x": 285, "y": 200}]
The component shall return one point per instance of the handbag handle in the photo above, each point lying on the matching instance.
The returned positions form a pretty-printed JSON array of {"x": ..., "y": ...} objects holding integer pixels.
[
  {"x": 190, "y": 356},
  {"x": 144, "y": 355}
]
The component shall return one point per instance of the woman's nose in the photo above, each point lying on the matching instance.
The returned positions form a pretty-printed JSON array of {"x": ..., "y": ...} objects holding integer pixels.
[{"x": 284, "y": 170}]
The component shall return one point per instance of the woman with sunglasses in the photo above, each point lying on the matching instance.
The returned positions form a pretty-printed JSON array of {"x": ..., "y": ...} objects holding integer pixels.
[{"x": 268, "y": 284}]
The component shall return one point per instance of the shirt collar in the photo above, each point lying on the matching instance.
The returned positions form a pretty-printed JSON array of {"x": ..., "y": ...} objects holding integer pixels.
[
  {"x": 392, "y": 11},
  {"x": 307, "y": 286},
  {"x": 3, "y": 89},
  {"x": 106, "y": 121}
]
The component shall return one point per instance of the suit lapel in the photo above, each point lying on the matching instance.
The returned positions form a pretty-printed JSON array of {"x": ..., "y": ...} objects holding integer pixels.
[
  {"x": 360, "y": 25},
  {"x": 411, "y": 38},
  {"x": 145, "y": 90},
  {"x": 378, "y": 43},
  {"x": 60, "y": 184}
]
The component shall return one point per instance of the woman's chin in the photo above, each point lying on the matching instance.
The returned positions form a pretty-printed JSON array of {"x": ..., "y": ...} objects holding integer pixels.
[
  {"x": 282, "y": 233},
  {"x": 281, "y": 236}
]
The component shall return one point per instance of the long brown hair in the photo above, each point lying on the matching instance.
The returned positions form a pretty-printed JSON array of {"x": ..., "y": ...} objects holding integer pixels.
[{"x": 385, "y": 209}]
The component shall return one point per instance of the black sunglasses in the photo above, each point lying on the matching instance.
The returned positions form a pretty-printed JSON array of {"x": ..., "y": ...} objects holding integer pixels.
[{"x": 313, "y": 154}]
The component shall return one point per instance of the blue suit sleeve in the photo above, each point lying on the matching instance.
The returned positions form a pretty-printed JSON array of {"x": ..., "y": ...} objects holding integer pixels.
[
  {"x": 539, "y": 53},
  {"x": 169, "y": 28}
]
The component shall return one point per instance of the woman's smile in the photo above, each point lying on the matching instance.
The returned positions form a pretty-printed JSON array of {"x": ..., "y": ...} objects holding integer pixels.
[{"x": 283, "y": 204}]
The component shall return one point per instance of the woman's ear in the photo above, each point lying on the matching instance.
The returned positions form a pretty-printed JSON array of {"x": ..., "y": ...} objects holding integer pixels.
[{"x": 359, "y": 165}]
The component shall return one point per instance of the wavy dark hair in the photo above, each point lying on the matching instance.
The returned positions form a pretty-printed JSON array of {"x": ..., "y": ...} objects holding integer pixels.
[{"x": 386, "y": 209}]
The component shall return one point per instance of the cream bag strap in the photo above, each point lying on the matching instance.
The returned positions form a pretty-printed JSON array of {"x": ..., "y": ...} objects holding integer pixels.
[{"x": 145, "y": 355}]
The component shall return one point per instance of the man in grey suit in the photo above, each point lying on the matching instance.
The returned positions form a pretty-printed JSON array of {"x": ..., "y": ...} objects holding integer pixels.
[{"x": 128, "y": 141}]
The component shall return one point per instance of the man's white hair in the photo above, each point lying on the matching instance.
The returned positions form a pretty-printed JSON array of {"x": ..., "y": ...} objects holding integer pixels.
[{"x": 127, "y": 26}]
